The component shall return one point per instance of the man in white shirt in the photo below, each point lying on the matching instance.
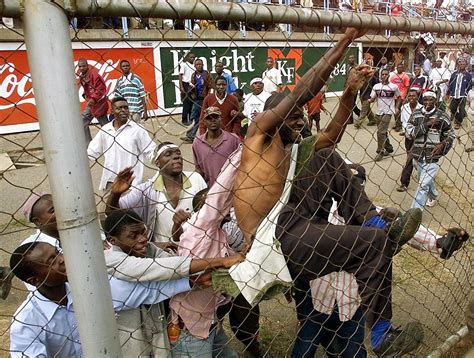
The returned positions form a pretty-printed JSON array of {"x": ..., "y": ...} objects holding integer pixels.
[
  {"x": 123, "y": 143},
  {"x": 271, "y": 77},
  {"x": 387, "y": 95},
  {"x": 255, "y": 101},
  {"x": 164, "y": 198},
  {"x": 45, "y": 324},
  {"x": 439, "y": 78},
  {"x": 186, "y": 70}
]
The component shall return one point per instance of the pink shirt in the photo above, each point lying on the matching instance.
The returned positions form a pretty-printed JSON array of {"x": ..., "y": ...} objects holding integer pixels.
[
  {"x": 203, "y": 238},
  {"x": 402, "y": 80},
  {"x": 210, "y": 159}
]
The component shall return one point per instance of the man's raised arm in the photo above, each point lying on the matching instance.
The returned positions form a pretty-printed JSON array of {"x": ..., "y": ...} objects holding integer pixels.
[
  {"x": 310, "y": 84},
  {"x": 335, "y": 129}
]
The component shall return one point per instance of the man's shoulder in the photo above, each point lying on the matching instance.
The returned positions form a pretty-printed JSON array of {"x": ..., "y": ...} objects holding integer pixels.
[
  {"x": 196, "y": 180},
  {"x": 442, "y": 115},
  {"x": 265, "y": 95},
  {"x": 209, "y": 97},
  {"x": 230, "y": 136},
  {"x": 136, "y": 77}
]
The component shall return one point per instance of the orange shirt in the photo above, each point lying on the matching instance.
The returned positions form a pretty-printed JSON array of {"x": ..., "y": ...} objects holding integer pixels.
[{"x": 315, "y": 105}]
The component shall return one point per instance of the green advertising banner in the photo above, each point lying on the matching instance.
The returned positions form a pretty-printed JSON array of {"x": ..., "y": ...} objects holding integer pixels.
[{"x": 245, "y": 59}]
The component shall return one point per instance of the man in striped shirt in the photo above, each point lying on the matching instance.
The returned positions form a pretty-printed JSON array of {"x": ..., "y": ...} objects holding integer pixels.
[{"x": 130, "y": 87}]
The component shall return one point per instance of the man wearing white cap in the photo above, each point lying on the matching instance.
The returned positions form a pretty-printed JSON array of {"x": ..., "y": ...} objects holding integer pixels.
[
  {"x": 255, "y": 101},
  {"x": 433, "y": 136},
  {"x": 162, "y": 201}
]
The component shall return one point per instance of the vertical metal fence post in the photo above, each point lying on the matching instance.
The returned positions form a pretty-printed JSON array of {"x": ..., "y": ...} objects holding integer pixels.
[{"x": 51, "y": 64}]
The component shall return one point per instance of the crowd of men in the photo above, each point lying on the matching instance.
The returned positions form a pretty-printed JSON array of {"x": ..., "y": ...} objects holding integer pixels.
[{"x": 270, "y": 208}]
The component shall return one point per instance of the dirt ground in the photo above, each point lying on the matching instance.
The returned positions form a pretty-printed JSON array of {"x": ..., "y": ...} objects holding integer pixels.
[{"x": 426, "y": 288}]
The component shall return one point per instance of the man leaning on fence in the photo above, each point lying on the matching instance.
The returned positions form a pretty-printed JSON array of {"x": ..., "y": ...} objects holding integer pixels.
[
  {"x": 45, "y": 324},
  {"x": 95, "y": 93},
  {"x": 130, "y": 87},
  {"x": 309, "y": 246}
]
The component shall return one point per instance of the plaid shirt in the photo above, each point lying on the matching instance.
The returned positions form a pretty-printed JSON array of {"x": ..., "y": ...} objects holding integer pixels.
[{"x": 342, "y": 287}]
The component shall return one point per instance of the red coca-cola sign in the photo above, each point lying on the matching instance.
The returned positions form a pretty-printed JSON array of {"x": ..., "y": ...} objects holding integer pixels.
[{"x": 17, "y": 102}]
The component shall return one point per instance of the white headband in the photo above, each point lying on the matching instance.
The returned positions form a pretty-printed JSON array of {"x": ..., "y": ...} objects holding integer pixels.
[
  {"x": 429, "y": 94},
  {"x": 163, "y": 149},
  {"x": 256, "y": 79}
]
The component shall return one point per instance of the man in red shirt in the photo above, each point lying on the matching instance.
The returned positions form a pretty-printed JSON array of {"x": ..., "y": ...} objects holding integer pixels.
[
  {"x": 95, "y": 93},
  {"x": 402, "y": 80},
  {"x": 228, "y": 105}
]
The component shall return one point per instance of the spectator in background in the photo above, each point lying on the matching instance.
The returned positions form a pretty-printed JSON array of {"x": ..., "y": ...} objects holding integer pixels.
[
  {"x": 432, "y": 135},
  {"x": 212, "y": 148},
  {"x": 383, "y": 64},
  {"x": 255, "y": 101},
  {"x": 315, "y": 106},
  {"x": 219, "y": 68},
  {"x": 470, "y": 112},
  {"x": 439, "y": 78},
  {"x": 402, "y": 81},
  {"x": 350, "y": 65},
  {"x": 123, "y": 143},
  {"x": 186, "y": 70},
  {"x": 227, "y": 104},
  {"x": 95, "y": 93},
  {"x": 418, "y": 80},
  {"x": 200, "y": 86},
  {"x": 388, "y": 97},
  {"x": 366, "y": 111},
  {"x": 239, "y": 115},
  {"x": 407, "y": 111},
  {"x": 271, "y": 77},
  {"x": 444, "y": 60},
  {"x": 130, "y": 87},
  {"x": 427, "y": 64},
  {"x": 459, "y": 86}
]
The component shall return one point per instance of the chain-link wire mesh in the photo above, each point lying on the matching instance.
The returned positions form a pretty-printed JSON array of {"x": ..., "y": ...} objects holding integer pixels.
[{"x": 170, "y": 121}]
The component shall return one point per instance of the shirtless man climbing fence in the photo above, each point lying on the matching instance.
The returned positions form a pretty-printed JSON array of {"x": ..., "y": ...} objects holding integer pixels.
[{"x": 310, "y": 245}]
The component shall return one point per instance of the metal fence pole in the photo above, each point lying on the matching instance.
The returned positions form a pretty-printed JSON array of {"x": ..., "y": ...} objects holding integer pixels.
[{"x": 51, "y": 64}]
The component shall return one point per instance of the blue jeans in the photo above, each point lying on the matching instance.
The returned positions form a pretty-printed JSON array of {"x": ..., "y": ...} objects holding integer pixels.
[
  {"x": 216, "y": 345},
  {"x": 426, "y": 185},
  {"x": 195, "y": 114},
  {"x": 339, "y": 339}
]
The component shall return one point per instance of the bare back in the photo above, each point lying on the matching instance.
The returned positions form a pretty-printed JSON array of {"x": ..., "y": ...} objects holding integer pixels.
[{"x": 260, "y": 181}]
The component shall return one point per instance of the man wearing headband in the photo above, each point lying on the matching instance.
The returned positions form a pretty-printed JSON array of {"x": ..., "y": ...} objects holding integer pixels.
[
  {"x": 255, "y": 101},
  {"x": 433, "y": 136},
  {"x": 165, "y": 199}
]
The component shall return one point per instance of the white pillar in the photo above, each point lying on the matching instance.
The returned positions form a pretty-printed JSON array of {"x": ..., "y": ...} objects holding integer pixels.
[{"x": 57, "y": 102}]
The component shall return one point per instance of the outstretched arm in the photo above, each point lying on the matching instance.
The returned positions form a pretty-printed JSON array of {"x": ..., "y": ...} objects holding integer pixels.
[
  {"x": 335, "y": 129},
  {"x": 310, "y": 84}
]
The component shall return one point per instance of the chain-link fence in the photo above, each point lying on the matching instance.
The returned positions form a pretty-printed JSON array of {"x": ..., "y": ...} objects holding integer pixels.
[{"x": 170, "y": 100}]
